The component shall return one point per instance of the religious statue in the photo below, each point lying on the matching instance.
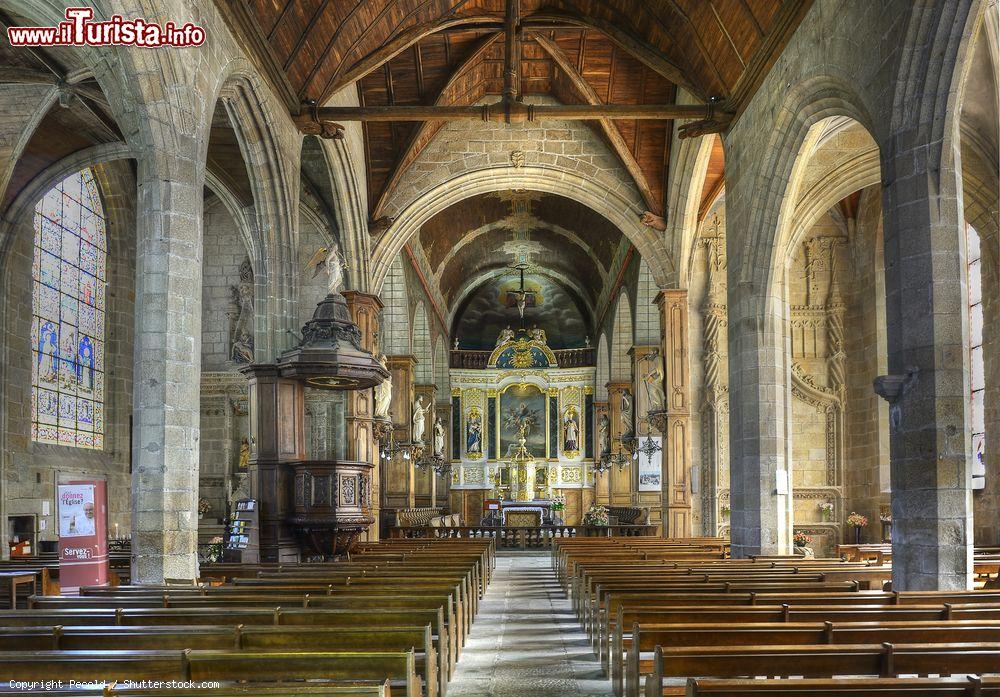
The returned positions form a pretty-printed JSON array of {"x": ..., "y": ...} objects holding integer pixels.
[
  {"x": 571, "y": 431},
  {"x": 330, "y": 259},
  {"x": 654, "y": 386},
  {"x": 244, "y": 463},
  {"x": 383, "y": 393},
  {"x": 537, "y": 334},
  {"x": 419, "y": 411},
  {"x": 627, "y": 412},
  {"x": 506, "y": 335},
  {"x": 522, "y": 302},
  {"x": 604, "y": 432},
  {"x": 439, "y": 437},
  {"x": 456, "y": 344},
  {"x": 474, "y": 433},
  {"x": 241, "y": 316},
  {"x": 335, "y": 264}
]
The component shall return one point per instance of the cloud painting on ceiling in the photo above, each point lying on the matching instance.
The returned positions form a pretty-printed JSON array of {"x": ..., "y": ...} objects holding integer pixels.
[{"x": 493, "y": 306}]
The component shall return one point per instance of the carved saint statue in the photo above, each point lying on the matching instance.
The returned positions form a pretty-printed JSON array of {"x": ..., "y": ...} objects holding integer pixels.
[
  {"x": 335, "y": 264},
  {"x": 383, "y": 393},
  {"x": 330, "y": 259},
  {"x": 506, "y": 335},
  {"x": 627, "y": 412},
  {"x": 419, "y": 412},
  {"x": 241, "y": 316},
  {"x": 474, "y": 433},
  {"x": 654, "y": 386},
  {"x": 538, "y": 334},
  {"x": 571, "y": 433},
  {"x": 244, "y": 463},
  {"x": 439, "y": 437},
  {"x": 604, "y": 431}
]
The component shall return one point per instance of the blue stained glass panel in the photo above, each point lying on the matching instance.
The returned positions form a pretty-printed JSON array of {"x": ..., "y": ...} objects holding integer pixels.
[{"x": 67, "y": 330}]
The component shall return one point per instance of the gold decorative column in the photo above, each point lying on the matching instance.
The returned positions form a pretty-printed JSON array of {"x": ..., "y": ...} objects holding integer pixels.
[
  {"x": 673, "y": 306},
  {"x": 602, "y": 481},
  {"x": 425, "y": 479},
  {"x": 620, "y": 479},
  {"x": 398, "y": 490},
  {"x": 643, "y": 361},
  {"x": 361, "y": 443}
]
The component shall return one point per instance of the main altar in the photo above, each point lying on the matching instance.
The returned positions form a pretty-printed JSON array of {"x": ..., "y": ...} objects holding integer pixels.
[{"x": 524, "y": 430}]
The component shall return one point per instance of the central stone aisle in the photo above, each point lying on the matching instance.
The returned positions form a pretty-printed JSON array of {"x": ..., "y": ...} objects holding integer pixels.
[{"x": 525, "y": 641}]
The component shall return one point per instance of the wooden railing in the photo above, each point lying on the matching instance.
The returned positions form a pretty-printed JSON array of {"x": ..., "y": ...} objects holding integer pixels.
[
  {"x": 565, "y": 358},
  {"x": 508, "y": 537}
]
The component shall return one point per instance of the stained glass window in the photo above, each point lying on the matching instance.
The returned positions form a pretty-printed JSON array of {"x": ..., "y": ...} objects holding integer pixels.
[{"x": 68, "y": 306}]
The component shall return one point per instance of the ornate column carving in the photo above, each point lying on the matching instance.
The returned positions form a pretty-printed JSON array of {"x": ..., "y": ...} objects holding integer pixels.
[
  {"x": 602, "y": 427},
  {"x": 425, "y": 479},
  {"x": 397, "y": 484},
  {"x": 361, "y": 443},
  {"x": 621, "y": 487},
  {"x": 676, "y": 497}
]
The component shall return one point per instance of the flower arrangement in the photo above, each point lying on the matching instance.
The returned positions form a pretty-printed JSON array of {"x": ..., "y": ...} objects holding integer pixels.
[
  {"x": 203, "y": 506},
  {"x": 558, "y": 503},
  {"x": 885, "y": 517},
  {"x": 596, "y": 515},
  {"x": 214, "y": 551},
  {"x": 856, "y": 520},
  {"x": 826, "y": 510},
  {"x": 801, "y": 539}
]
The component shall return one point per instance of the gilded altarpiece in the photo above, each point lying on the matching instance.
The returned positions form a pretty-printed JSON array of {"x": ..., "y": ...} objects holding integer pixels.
[{"x": 550, "y": 403}]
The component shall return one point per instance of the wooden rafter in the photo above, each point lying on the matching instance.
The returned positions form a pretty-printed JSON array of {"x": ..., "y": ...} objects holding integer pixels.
[
  {"x": 391, "y": 49},
  {"x": 646, "y": 54},
  {"x": 610, "y": 131},
  {"x": 426, "y": 129}
]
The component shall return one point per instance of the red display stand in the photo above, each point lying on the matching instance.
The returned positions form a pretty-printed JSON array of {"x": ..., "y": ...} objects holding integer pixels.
[{"x": 83, "y": 536}]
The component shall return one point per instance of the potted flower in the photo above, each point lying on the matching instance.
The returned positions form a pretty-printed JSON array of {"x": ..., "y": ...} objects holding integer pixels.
[
  {"x": 597, "y": 515},
  {"x": 558, "y": 506},
  {"x": 203, "y": 507},
  {"x": 857, "y": 521},
  {"x": 826, "y": 510}
]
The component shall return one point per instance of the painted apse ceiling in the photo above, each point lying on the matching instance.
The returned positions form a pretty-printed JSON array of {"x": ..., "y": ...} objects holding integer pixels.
[{"x": 567, "y": 250}]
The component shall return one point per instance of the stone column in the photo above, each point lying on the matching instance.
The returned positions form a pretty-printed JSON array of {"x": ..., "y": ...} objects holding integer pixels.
[
  {"x": 928, "y": 385},
  {"x": 361, "y": 444},
  {"x": 425, "y": 480},
  {"x": 760, "y": 481},
  {"x": 673, "y": 305},
  {"x": 397, "y": 476},
  {"x": 166, "y": 418}
]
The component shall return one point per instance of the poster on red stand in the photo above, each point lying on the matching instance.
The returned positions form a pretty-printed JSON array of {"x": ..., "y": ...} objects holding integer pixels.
[{"x": 83, "y": 537}]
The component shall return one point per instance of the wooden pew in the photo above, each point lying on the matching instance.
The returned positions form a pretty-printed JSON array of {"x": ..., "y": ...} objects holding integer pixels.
[
  {"x": 970, "y": 686},
  {"x": 333, "y": 688},
  {"x": 648, "y": 637},
  {"x": 240, "y": 637},
  {"x": 827, "y": 661},
  {"x": 221, "y": 665}
]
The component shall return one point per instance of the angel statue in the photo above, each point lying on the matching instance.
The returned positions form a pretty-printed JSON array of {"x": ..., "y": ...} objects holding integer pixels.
[
  {"x": 654, "y": 386},
  {"x": 419, "y": 412},
  {"x": 383, "y": 392},
  {"x": 333, "y": 261},
  {"x": 506, "y": 335}
]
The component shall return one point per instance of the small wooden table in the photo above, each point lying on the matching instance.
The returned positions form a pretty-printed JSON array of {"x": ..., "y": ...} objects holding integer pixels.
[{"x": 9, "y": 582}]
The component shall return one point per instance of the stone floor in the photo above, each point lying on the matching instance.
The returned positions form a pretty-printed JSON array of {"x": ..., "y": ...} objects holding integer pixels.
[{"x": 525, "y": 641}]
